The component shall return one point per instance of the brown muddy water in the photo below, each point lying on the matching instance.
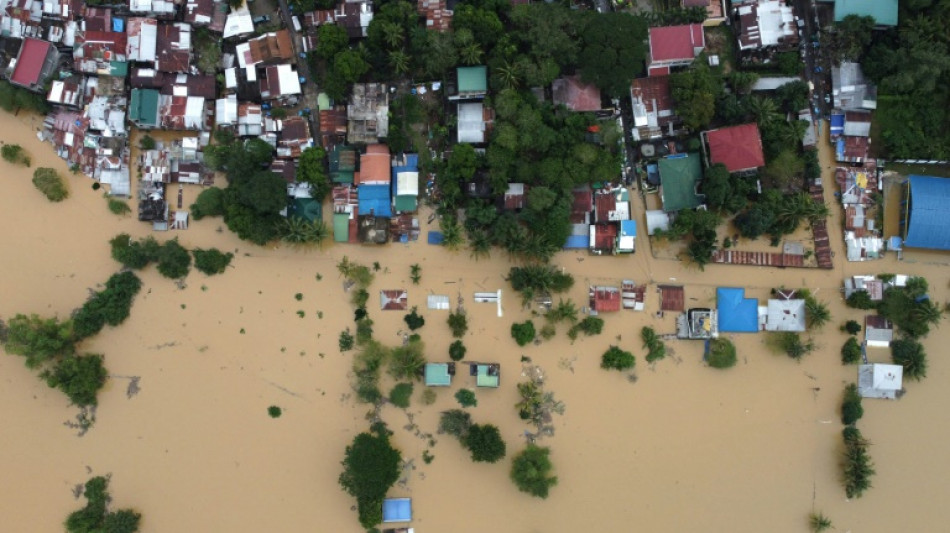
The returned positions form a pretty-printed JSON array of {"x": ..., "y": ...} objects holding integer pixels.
[{"x": 684, "y": 448}]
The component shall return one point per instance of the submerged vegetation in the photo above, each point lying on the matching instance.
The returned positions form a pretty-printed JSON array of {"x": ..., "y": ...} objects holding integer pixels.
[
  {"x": 95, "y": 517},
  {"x": 14, "y": 153},
  {"x": 722, "y": 353},
  {"x": 51, "y": 184},
  {"x": 370, "y": 468},
  {"x": 857, "y": 466},
  {"x": 531, "y": 471}
]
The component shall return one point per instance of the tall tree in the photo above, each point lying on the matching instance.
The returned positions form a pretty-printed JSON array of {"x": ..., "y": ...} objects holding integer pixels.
[{"x": 613, "y": 51}]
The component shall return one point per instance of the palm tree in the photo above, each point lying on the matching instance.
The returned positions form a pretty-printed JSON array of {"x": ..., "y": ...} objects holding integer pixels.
[
  {"x": 819, "y": 522},
  {"x": 399, "y": 61},
  {"x": 451, "y": 234},
  {"x": 480, "y": 244},
  {"x": 763, "y": 110},
  {"x": 316, "y": 232},
  {"x": 294, "y": 230},
  {"x": 816, "y": 313},
  {"x": 508, "y": 76},
  {"x": 471, "y": 54},
  {"x": 793, "y": 134},
  {"x": 392, "y": 34},
  {"x": 927, "y": 313}
]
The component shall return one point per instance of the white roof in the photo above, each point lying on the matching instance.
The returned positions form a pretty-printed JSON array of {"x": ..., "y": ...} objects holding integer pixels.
[
  {"x": 888, "y": 377},
  {"x": 785, "y": 315},
  {"x": 141, "y": 44},
  {"x": 289, "y": 82},
  {"x": 226, "y": 110},
  {"x": 657, "y": 220},
  {"x": 437, "y": 301},
  {"x": 230, "y": 78},
  {"x": 407, "y": 184},
  {"x": 243, "y": 53},
  {"x": 471, "y": 127},
  {"x": 880, "y": 380},
  {"x": 239, "y": 22}
]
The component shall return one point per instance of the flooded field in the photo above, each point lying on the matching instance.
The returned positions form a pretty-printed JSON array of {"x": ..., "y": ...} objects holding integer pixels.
[{"x": 683, "y": 448}]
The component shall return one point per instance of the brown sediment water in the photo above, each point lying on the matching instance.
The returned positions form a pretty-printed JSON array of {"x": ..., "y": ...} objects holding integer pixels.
[{"x": 684, "y": 448}]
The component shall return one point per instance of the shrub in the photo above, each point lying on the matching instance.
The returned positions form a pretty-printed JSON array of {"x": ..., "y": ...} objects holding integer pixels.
[
  {"x": 428, "y": 396},
  {"x": 364, "y": 330},
  {"x": 910, "y": 354},
  {"x": 400, "y": 394},
  {"x": 616, "y": 359},
  {"x": 408, "y": 361},
  {"x": 48, "y": 181},
  {"x": 173, "y": 260},
  {"x": 415, "y": 273},
  {"x": 79, "y": 377},
  {"x": 858, "y": 467},
  {"x": 346, "y": 340},
  {"x": 851, "y": 409},
  {"x": 414, "y": 320},
  {"x": 591, "y": 325},
  {"x": 531, "y": 471},
  {"x": 209, "y": 203},
  {"x": 651, "y": 341},
  {"x": 95, "y": 518},
  {"x": 457, "y": 351},
  {"x": 523, "y": 333},
  {"x": 211, "y": 261},
  {"x": 466, "y": 398},
  {"x": 860, "y": 300},
  {"x": 118, "y": 207},
  {"x": 485, "y": 443},
  {"x": 791, "y": 344},
  {"x": 13, "y": 153},
  {"x": 275, "y": 411},
  {"x": 147, "y": 143},
  {"x": 134, "y": 254},
  {"x": 850, "y": 352},
  {"x": 458, "y": 323},
  {"x": 818, "y": 523},
  {"x": 370, "y": 467},
  {"x": 564, "y": 310},
  {"x": 455, "y": 422},
  {"x": 851, "y": 327},
  {"x": 38, "y": 339},
  {"x": 722, "y": 353}
]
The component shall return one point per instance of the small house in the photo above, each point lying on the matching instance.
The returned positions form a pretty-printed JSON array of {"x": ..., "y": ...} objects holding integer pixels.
[
  {"x": 437, "y": 14},
  {"x": 626, "y": 241},
  {"x": 674, "y": 46},
  {"x": 439, "y": 374},
  {"x": 368, "y": 113},
  {"x": 143, "y": 108},
  {"x": 633, "y": 295},
  {"x": 884, "y": 12},
  {"x": 405, "y": 183},
  {"x": 576, "y": 95},
  {"x": 672, "y": 297},
  {"x": 472, "y": 125},
  {"x": 680, "y": 176},
  {"x": 397, "y": 510},
  {"x": 739, "y": 148},
  {"x": 715, "y": 10},
  {"x": 280, "y": 81},
  {"x": 850, "y": 89},
  {"x": 342, "y": 163},
  {"x": 880, "y": 381},
  {"x": 697, "y": 323},
  {"x": 239, "y": 22},
  {"x": 438, "y": 302},
  {"x": 486, "y": 374},
  {"x": 394, "y": 300},
  {"x": 764, "y": 24},
  {"x": 142, "y": 39},
  {"x": 34, "y": 64},
  {"x": 926, "y": 213},
  {"x": 471, "y": 83},
  {"x": 604, "y": 299},
  {"x": 173, "y": 48},
  {"x": 878, "y": 331},
  {"x": 514, "y": 197},
  {"x": 736, "y": 313},
  {"x": 785, "y": 313},
  {"x": 654, "y": 115}
]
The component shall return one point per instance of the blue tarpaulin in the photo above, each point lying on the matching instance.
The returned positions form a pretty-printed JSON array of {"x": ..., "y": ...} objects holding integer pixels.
[
  {"x": 577, "y": 242},
  {"x": 929, "y": 207},
  {"x": 118, "y": 25},
  {"x": 435, "y": 237},
  {"x": 397, "y": 510},
  {"x": 737, "y": 314},
  {"x": 837, "y": 124},
  {"x": 374, "y": 200}
]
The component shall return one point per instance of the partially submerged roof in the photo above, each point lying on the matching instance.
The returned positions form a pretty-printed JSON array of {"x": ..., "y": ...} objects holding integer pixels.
[
  {"x": 737, "y": 147},
  {"x": 397, "y": 510},
  {"x": 679, "y": 177},
  {"x": 375, "y": 200},
  {"x": 928, "y": 213},
  {"x": 604, "y": 299},
  {"x": 880, "y": 381},
  {"x": 437, "y": 375},
  {"x": 672, "y": 298},
  {"x": 487, "y": 375},
  {"x": 572, "y": 93},
  {"x": 393, "y": 300},
  {"x": 375, "y": 165},
  {"x": 737, "y": 314},
  {"x": 785, "y": 315}
]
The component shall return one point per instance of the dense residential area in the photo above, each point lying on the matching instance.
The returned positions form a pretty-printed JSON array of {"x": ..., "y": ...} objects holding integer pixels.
[{"x": 530, "y": 127}]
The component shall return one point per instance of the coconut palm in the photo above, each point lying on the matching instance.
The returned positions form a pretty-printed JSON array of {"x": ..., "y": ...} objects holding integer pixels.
[
  {"x": 471, "y": 54},
  {"x": 294, "y": 230},
  {"x": 763, "y": 110},
  {"x": 399, "y": 61},
  {"x": 480, "y": 244},
  {"x": 508, "y": 76},
  {"x": 451, "y": 234},
  {"x": 392, "y": 34},
  {"x": 316, "y": 232},
  {"x": 927, "y": 313},
  {"x": 792, "y": 134},
  {"x": 816, "y": 313},
  {"x": 819, "y": 522}
]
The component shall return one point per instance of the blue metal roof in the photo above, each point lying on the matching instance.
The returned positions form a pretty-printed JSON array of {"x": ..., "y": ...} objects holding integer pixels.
[
  {"x": 397, "y": 510},
  {"x": 929, "y": 212},
  {"x": 435, "y": 237},
  {"x": 837, "y": 123},
  {"x": 628, "y": 228},
  {"x": 374, "y": 200},
  {"x": 577, "y": 242},
  {"x": 737, "y": 314}
]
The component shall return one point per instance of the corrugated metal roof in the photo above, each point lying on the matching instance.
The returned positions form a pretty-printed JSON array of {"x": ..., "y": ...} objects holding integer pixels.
[{"x": 929, "y": 212}]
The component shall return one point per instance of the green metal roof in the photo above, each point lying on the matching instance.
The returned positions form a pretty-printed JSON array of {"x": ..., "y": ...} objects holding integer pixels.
[
  {"x": 119, "y": 69},
  {"x": 307, "y": 209},
  {"x": 473, "y": 79},
  {"x": 323, "y": 102},
  {"x": 437, "y": 375},
  {"x": 406, "y": 203},
  {"x": 485, "y": 380},
  {"x": 884, "y": 12},
  {"x": 342, "y": 164},
  {"x": 144, "y": 107},
  {"x": 341, "y": 227},
  {"x": 679, "y": 177}
]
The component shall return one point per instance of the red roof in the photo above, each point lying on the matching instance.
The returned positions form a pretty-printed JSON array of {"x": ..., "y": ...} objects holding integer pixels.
[
  {"x": 582, "y": 205},
  {"x": 605, "y": 204},
  {"x": 605, "y": 299},
  {"x": 374, "y": 165},
  {"x": 737, "y": 147},
  {"x": 29, "y": 63},
  {"x": 605, "y": 237},
  {"x": 676, "y": 43},
  {"x": 656, "y": 96}
]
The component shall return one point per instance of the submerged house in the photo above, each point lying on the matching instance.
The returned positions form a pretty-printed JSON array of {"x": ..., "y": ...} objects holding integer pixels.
[
  {"x": 697, "y": 323},
  {"x": 394, "y": 300},
  {"x": 486, "y": 374},
  {"x": 368, "y": 113},
  {"x": 925, "y": 212},
  {"x": 736, "y": 313},
  {"x": 576, "y": 95},
  {"x": 785, "y": 314},
  {"x": 878, "y": 332},
  {"x": 654, "y": 115},
  {"x": 880, "y": 381},
  {"x": 764, "y": 24},
  {"x": 604, "y": 299},
  {"x": 439, "y": 374}
]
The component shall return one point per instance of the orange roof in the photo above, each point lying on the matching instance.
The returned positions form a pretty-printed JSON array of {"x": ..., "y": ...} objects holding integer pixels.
[{"x": 374, "y": 165}]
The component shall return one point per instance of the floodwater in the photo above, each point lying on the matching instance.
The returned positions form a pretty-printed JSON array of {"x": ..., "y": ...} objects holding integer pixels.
[{"x": 683, "y": 448}]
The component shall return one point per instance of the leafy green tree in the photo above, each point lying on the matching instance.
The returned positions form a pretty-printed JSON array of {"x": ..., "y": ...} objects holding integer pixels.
[
  {"x": 14, "y": 153},
  {"x": 457, "y": 351},
  {"x": 851, "y": 410},
  {"x": 370, "y": 467},
  {"x": 400, "y": 394},
  {"x": 850, "y": 352},
  {"x": 852, "y": 36},
  {"x": 565, "y": 310},
  {"x": 38, "y": 339},
  {"x": 695, "y": 92},
  {"x": 209, "y": 203},
  {"x": 265, "y": 192},
  {"x": 312, "y": 170},
  {"x": 651, "y": 341},
  {"x": 173, "y": 260},
  {"x": 792, "y": 345},
  {"x": 755, "y": 221},
  {"x": 346, "y": 341},
  {"x": 794, "y": 96},
  {"x": 785, "y": 171},
  {"x": 788, "y": 63},
  {"x": 851, "y": 327},
  {"x": 485, "y": 443},
  {"x": 414, "y": 320},
  {"x": 860, "y": 300},
  {"x": 722, "y": 353},
  {"x": 590, "y": 326},
  {"x": 466, "y": 398},
  {"x": 331, "y": 40},
  {"x": 408, "y": 361},
  {"x": 211, "y": 261},
  {"x": 109, "y": 306},
  {"x": 613, "y": 51},
  {"x": 94, "y": 518},
  {"x": 458, "y": 323},
  {"x": 910, "y": 354},
  {"x": 616, "y": 359},
  {"x": 455, "y": 422},
  {"x": 858, "y": 467},
  {"x": 133, "y": 254},
  {"x": 536, "y": 280},
  {"x": 51, "y": 184},
  {"x": 531, "y": 470},
  {"x": 523, "y": 332},
  {"x": 80, "y": 377}
]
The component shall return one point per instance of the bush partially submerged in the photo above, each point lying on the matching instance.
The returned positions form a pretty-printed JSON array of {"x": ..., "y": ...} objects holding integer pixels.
[
  {"x": 400, "y": 394},
  {"x": 49, "y": 182},
  {"x": 851, "y": 409},
  {"x": 616, "y": 359},
  {"x": 850, "y": 351},
  {"x": 211, "y": 261},
  {"x": 80, "y": 377},
  {"x": 722, "y": 353},
  {"x": 531, "y": 471},
  {"x": 108, "y": 306},
  {"x": 523, "y": 332}
]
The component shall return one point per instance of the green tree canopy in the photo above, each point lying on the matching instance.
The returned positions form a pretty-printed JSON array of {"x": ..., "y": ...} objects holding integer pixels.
[
  {"x": 485, "y": 443},
  {"x": 211, "y": 261},
  {"x": 695, "y": 92},
  {"x": 523, "y": 332},
  {"x": 722, "y": 353},
  {"x": 311, "y": 169},
  {"x": 614, "y": 48},
  {"x": 79, "y": 376},
  {"x": 531, "y": 470},
  {"x": 910, "y": 354},
  {"x": 38, "y": 339},
  {"x": 173, "y": 260},
  {"x": 370, "y": 467}
]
